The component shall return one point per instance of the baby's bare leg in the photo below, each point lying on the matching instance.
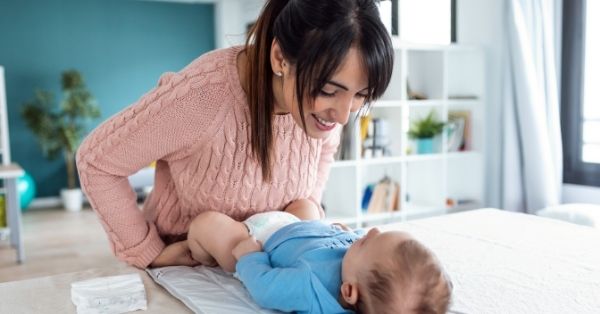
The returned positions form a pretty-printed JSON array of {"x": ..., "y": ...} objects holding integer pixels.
[
  {"x": 304, "y": 209},
  {"x": 211, "y": 238}
]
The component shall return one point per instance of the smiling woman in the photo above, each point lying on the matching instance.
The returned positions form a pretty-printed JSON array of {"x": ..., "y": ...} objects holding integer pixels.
[
  {"x": 239, "y": 131},
  {"x": 337, "y": 43}
]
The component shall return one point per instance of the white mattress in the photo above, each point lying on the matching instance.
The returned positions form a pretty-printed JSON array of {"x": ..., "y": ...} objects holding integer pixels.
[{"x": 499, "y": 262}]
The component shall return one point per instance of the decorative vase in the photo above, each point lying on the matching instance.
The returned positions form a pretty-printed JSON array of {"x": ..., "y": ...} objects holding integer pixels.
[
  {"x": 425, "y": 145},
  {"x": 72, "y": 199}
]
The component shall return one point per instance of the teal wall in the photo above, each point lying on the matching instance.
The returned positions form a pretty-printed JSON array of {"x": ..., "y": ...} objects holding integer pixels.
[{"x": 120, "y": 46}]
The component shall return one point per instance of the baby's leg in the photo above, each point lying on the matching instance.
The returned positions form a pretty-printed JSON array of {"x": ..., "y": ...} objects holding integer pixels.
[
  {"x": 304, "y": 209},
  {"x": 212, "y": 236}
]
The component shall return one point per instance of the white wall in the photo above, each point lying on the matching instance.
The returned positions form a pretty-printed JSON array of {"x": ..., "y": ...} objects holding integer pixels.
[
  {"x": 580, "y": 194},
  {"x": 481, "y": 22},
  {"x": 231, "y": 18}
]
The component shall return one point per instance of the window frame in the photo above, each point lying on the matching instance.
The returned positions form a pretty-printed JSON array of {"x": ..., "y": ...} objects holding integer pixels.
[
  {"x": 396, "y": 27},
  {"x": 575, "y": 171}
]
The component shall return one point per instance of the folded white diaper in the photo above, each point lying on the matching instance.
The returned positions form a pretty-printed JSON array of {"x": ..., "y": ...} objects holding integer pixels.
[{"x": 115, "y": 294}]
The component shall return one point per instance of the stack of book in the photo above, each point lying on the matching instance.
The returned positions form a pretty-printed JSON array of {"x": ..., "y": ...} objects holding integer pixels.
[{"x": 382, "y": 197}]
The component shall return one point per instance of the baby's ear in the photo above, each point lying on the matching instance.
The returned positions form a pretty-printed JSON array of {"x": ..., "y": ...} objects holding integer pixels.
[{"x": 349, "y": 292}]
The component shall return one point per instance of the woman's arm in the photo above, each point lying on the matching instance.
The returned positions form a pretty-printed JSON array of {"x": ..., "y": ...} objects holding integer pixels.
[{"x": 163, "y": 124}]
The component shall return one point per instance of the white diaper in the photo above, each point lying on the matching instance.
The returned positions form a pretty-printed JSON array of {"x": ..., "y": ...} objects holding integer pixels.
[
  {"x": 114, "y": 294},
  {"x": 263, "y": 225}
]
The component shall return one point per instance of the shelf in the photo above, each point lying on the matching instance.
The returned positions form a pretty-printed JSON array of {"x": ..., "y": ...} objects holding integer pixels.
[
  {"x": 412, "y": 212},
  {"x": 366, "y": 217},
  {"x": 408, "y": 158},
  {"x": 424, "y": 157},
  {"x": 417, "y": 211},
  {"x": 382, "y": 160},
  {"x": 388, "y": 104},
  {"x": 426, "y": 103},
  {"x": 343, "y": 163},
  {"x": 464, "y": 102},
  {"x": 463, "y": 154},
  {"x": 464, "y": 207}
]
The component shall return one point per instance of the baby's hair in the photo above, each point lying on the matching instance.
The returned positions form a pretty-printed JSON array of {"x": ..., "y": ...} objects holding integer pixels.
[{"x": 411, "y": 281}]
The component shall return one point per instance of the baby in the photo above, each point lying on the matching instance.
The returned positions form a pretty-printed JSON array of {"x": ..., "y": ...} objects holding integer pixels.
[{"x": 312, "y": 267}]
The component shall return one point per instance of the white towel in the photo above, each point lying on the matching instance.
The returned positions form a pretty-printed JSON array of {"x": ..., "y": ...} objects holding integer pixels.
[{"x": 115, "y": 294}]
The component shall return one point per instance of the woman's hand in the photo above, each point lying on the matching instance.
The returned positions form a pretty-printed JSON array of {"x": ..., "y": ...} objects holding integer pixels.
[
  {"x": 247, "y": 246},
  {"x": 175, "y": 254}
]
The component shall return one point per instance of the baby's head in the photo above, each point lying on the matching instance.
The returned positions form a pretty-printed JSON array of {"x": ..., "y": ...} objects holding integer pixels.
[{"x": 391, "y": 272}]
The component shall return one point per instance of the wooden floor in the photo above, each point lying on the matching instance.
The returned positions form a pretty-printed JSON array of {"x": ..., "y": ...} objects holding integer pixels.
[{"x": 57, "y": 241}]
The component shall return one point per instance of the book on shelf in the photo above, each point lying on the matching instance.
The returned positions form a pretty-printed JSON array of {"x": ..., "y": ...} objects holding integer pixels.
[
  {"x": 382, "y": 197},
  {"x": 459, "y": 130},
  {"x": 374, "y": 137},
  {"x": 347, "y": 144}
]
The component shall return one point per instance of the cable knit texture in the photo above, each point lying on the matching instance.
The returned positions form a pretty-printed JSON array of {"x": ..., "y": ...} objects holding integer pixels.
[{"x": 195, "y": 124}]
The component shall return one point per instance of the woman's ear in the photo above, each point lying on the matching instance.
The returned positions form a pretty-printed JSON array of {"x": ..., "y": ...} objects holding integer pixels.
[
  {"x": 278, "y": 64},
  {"x": 349, "y": 292}
]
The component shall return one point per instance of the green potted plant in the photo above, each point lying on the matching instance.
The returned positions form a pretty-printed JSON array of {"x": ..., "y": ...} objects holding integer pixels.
[
  {"x": 424, "y": 130},
  {"x": 60, "y": 130}
]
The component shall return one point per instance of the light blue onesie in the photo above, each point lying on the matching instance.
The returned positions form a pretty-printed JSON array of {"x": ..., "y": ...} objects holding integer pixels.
[{"x": 299, "y": 269}]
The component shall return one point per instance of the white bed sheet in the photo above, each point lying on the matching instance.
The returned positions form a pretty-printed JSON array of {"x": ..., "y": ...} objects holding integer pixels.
[{"x": 499, "y": 262}]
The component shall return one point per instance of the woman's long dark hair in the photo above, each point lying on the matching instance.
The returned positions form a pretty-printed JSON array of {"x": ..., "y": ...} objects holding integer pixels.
[{"x": 314, "y": 36}]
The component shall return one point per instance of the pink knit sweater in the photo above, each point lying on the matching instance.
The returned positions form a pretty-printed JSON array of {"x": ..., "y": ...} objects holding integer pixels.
[{"x": 195, "y": 124}]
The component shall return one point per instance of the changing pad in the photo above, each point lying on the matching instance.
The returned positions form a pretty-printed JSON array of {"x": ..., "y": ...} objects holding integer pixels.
[{"x": 207, "y": 290}]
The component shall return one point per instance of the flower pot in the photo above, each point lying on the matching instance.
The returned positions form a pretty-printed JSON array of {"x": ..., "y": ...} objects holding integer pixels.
[
  {"x": 425, "y": 145},
  {"x": 72, "y": 199}
]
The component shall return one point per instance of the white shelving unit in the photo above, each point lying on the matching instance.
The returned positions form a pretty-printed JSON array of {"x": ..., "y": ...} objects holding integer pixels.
[
  {"x": 452, "y": 78},
  {"x": 4, "y": 146},
  {"x": 9, "y": 174}
]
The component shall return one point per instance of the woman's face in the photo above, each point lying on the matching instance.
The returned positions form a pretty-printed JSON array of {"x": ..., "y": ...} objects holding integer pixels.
[{"x": 344, "y": 93}]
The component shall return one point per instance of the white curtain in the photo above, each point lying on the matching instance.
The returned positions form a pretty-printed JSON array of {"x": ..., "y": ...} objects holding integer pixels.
[{"x": 532, "y": 146}]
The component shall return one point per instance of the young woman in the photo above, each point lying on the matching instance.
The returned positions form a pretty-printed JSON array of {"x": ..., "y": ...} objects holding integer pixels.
[{"x": 240, "y": 130}]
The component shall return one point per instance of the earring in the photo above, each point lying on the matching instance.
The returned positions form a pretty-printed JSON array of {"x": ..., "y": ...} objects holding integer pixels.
[{"x": 279, "y": 73}]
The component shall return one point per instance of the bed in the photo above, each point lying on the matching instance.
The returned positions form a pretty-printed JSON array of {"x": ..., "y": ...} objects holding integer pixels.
[{"x": 499, "y": 262}]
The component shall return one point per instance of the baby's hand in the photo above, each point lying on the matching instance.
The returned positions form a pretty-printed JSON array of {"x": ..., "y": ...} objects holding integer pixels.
[
  {"x": 342, "y": 226},
  {"x": 247, "y": 246}
]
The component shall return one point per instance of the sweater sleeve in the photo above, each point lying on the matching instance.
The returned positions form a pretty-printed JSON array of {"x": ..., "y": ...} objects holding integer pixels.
[
  {"x": 285, "y": 289},
  {"x": 328, "y": 149},
  {"x": 162, "y": 125}
]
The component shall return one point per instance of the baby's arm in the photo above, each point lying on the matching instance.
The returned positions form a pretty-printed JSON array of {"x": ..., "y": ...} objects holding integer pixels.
[
  {"x": 283, "y": 289},
  {"x": 304, "y": 209}
]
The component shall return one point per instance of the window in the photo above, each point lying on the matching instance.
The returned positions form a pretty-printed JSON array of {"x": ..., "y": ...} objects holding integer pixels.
[
  {"x": 580, "y": 98},
  {"x": 425, "y": 21},
  {"x": 591, "y": 82}
]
